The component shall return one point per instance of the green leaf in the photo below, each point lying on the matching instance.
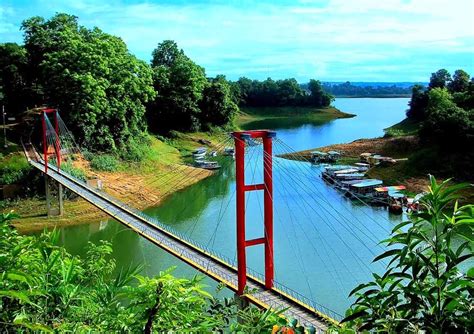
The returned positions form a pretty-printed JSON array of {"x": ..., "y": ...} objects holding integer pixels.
[
  {"x": 355, "y": 315},
  {"x": 386, "y": 254}
]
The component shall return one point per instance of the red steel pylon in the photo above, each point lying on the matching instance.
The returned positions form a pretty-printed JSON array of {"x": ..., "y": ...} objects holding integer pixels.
[
  {"x": 57, "y": 144},
  {"x": 240, "y": 138}
]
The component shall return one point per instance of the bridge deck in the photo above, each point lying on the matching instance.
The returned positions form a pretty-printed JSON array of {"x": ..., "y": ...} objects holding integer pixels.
[{"x": 191, "y": 254}]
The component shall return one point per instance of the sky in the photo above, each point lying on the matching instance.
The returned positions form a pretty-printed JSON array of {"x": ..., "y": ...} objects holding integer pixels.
[{"x": 329, "y": 40}]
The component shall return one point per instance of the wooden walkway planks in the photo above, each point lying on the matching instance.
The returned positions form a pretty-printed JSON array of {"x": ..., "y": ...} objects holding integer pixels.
[{"x": 199, "y": 259}]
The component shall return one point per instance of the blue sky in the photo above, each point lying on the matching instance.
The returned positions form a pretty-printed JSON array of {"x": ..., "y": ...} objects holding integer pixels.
[{"x": 331, "y": 40}]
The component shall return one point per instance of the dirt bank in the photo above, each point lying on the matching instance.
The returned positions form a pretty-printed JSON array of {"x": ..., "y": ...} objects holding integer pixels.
[{"x": 140, "y": 185}]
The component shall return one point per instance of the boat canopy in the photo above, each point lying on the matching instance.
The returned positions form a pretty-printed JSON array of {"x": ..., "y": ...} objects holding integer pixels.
[
  {"x": 396, "y": 195},
  {"x": 337, "y": 167},
  {"x": 390, "y": 188},
  {"x": 346, "y": 171},
  {"x": 352, "y": 181},
  {"x": 200, "y": 150},
  {"x": 368, "y": 183},
  {"x": 361, "y": 164},
  {"x": 350, "y": 175}
]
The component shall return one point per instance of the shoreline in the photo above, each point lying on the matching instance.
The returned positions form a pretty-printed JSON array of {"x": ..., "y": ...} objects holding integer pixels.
[
  {"x": 396, "y": 147},
  {"x": 140, "y": 185},
  {"x": 250, "y": 115}
]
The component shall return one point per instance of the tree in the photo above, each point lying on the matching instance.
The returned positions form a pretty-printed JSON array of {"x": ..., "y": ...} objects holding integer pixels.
[
  {"x": 179, "y": 84},
  {"x": 426, "y": 287},
  {"x": 15, "y": 89},
  {"x": 319, "y": 97},
  {"x": 98, "y": 85},
  {"x": 446, "y": 124},
  {"x": 166, "y": 54},
  {"x": 418, "y": 103},
  {"x": 439, "y": 79},
  {"x": 460, "y": 82},
  {"x": 216, "y": 105}
]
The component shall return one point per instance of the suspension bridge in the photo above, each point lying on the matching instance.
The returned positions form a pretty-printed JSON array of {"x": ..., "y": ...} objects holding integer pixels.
[{"x": 264, "y": 291}]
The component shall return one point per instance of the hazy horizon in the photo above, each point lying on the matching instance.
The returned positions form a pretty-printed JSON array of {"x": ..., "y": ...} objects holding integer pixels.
[{"x": 333, "y": 41}]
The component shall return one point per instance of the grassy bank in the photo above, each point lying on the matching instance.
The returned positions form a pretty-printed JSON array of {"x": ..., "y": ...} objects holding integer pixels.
[
  {"x": 140, "y": 184},
  {"x": 252, "y": 117},
  {"x": 407, "y": 127}
]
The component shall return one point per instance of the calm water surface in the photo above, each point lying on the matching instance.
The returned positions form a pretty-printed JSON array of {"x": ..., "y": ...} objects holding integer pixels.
[{"x": 324, "y": 243}]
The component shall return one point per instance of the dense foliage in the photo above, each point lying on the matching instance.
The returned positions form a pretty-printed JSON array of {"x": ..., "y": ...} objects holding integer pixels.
[
  {"x": 279, "y": 93},
  {"x": 445, "y": 110},
  {"x": 92, "y": 78},
  {"x": 428, "y": 284},
  {"x": 353, "y": 90},
  {"x": 185, "y": 99},
  {"x": 44, "y": 288},
  {"x": 13, "y": 168},
  {"x": 100, "y": 88}
]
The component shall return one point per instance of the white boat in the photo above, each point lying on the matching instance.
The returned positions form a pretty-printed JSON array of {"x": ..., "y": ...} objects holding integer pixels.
[
  {"x": 229, "y": 151},
  {"x": 210, "y": 165}
]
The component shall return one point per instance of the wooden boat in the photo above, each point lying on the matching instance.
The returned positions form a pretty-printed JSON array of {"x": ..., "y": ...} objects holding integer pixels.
[
  {"x": 364, "y": 189},
  {"x": 364, "y": 157},
  {"x": 349, "y": 176},
  {"x": 395, "y": 202},
  {"x": 199, "y": 153},
  {"x": 229, "y": 151},
  {"x": 361, "y": 166},
  {"x": 323, "y": 157},
  {"x": 381, "y": 194},
  {"x": 210, "y": 165}
]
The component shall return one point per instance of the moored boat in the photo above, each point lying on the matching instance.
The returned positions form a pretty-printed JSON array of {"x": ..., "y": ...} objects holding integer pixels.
[
  {"x": 364, "y": 189},
  {"x": 210, "y": 165}
]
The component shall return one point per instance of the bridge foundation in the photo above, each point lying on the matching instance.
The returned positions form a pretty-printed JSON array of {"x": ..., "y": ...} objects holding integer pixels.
[{"x": 49, "y": 189}]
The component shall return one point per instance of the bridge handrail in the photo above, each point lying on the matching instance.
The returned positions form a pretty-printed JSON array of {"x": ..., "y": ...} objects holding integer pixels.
[
  {"x": 309, "y": 302},
  {"x": 211, "y": 252}
]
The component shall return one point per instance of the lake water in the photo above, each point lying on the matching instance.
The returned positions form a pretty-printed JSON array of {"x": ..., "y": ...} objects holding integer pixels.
[{"x": 324, "y": 243}]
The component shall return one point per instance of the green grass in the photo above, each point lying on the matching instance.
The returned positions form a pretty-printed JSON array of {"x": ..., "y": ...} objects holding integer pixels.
[
  {"x": 105, "y": 163},
  {"x": 13, "y": 168},
  {"x": 407, "y": 127},
  {"x": 253, "y": 118},
  {"x": 268, "y": 112}
]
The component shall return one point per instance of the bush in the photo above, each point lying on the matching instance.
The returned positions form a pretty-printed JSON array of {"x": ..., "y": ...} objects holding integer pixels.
[
  {"x": 427, "y": 285},
  {"x": 73, "y": 171},
  {"x": 13, "y": 168},
  {"x": 136, "y": 150},
  {"x": 88, "y": 155},
  {"x": 46, "y": 289},
  {"x": 104, "y": 162}
]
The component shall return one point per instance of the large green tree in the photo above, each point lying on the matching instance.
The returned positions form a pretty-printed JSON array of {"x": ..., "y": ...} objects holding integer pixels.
[
  {"x": 440, "y": 79},
  {"x": 418, "y": 103},
  {"x": 446, "y": 124},
  {"x": 16, "y": 90},
  {"x": 460, "y": 82},
  {"x": 98, "y": 85},
  {"x": 217, "y": 105},
  {"x": 179, "y": 84}
]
